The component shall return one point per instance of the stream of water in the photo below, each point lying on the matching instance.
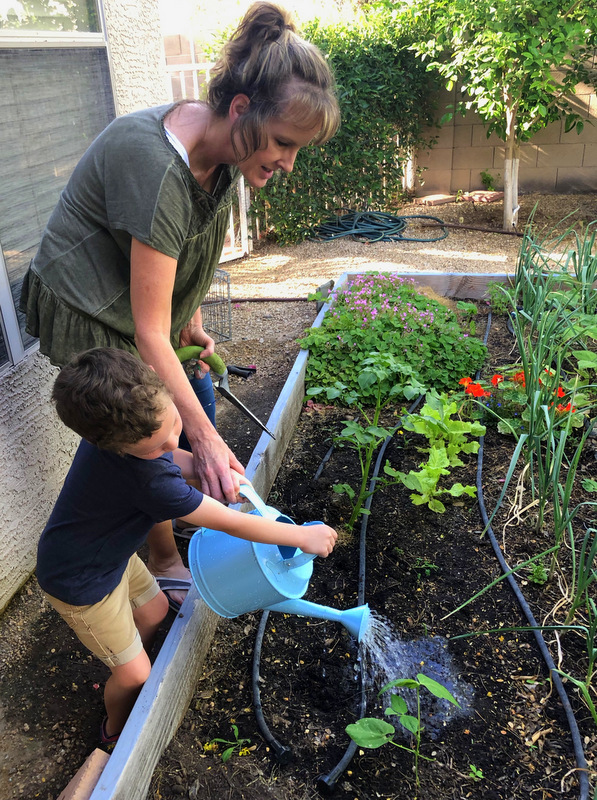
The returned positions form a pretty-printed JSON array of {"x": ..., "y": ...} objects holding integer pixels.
[{"x": 386, "y": 656}]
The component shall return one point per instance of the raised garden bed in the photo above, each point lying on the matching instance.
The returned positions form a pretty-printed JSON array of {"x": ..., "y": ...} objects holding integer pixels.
[{"x": 512, "y": 738}]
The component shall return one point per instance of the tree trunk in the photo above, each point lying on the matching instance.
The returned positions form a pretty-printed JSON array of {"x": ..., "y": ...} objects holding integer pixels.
[
  {"x": 409, "y": 173},
  {"x": 511, "y": 162}
]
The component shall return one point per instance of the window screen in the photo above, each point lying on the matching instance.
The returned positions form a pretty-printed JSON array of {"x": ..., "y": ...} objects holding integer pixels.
[{"x": 53, "y": 103}]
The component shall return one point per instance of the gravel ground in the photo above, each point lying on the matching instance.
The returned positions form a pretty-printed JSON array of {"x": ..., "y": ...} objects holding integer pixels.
[{"x": 284, "y": 272}]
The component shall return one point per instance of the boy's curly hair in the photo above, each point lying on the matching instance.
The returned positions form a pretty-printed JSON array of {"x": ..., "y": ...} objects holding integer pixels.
[{"x": 110, "y": 398}]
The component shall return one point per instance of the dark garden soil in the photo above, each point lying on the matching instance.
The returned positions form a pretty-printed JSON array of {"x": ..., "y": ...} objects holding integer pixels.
[{"x": 419, "y": 567}]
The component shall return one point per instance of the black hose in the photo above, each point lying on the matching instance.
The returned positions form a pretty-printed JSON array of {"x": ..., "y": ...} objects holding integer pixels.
[
  {"x": 373, "y": 226},
  {"x": 282, "y": 752}
]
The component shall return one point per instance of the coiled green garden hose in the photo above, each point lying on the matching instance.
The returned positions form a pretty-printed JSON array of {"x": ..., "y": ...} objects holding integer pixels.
[{"x": 374, "y": 226}]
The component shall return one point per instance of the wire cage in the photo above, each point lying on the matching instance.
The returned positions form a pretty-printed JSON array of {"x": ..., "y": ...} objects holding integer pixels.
[{"x": 216, "y": 308}]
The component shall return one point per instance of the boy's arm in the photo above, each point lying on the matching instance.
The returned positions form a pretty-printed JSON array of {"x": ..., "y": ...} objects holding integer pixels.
[{"x": 318, "y": 539}]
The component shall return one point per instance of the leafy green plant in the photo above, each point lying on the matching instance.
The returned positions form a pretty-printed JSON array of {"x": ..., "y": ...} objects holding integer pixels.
[
  {"x": 238, "y": 743},
  {"x": 376, "y": 371},
  {"x": 499, "y": 297},
  {"x": 447, "y": 438},
  {"x": 488, "y": 181},
  {"x": 385, "y": 313},
  {"x": 538, "y": 573},
  {"x": 372, "y": 733},
  {"x": 586, "y": 363},
  {"x": 475, "y": 773}
]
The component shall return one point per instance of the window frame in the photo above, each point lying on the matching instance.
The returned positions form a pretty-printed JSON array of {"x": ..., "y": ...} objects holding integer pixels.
[{"x": 15, "y": 38}]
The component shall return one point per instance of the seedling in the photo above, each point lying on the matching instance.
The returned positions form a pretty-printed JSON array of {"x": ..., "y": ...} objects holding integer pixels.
[
  {"x": 373, "y": 733},
  {"x": 237, "y": 743}
]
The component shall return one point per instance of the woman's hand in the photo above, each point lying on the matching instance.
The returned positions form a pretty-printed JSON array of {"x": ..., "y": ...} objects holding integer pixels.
[{"x": 194, "y": 334}]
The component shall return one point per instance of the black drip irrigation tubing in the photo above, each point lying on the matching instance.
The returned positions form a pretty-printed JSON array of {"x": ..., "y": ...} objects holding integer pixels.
[
  {"x": 326, "y": 783},
  {"x": 374, "y": 226}
]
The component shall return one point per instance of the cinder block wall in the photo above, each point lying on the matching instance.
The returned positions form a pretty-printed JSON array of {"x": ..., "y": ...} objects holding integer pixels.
[{"x": 553, "y": 161}]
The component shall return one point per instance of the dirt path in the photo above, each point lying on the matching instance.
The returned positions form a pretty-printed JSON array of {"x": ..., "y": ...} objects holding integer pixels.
[{"x": 276, "y": 272}]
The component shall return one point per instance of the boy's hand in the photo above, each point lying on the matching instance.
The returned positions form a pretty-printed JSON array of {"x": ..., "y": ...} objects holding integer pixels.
[
  {"x": 238, "y": 481},
  {"x": 318, "y": 539}
]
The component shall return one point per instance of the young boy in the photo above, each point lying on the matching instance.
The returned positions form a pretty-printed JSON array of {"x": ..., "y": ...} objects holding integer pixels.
[{"x": 128, "y": 474}]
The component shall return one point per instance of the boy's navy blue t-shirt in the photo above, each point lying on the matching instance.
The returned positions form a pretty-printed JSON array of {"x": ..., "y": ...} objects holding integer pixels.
[{"x": 106, "y": 508}]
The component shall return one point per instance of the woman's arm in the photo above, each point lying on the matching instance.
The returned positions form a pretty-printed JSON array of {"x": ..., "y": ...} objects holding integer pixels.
[
  {"x": 152, "y": 284},
  {"x": 319, "y": 539}
]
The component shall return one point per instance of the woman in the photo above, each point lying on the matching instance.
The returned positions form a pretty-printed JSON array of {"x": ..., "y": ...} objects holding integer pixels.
[{"x": 130, "y": 250}]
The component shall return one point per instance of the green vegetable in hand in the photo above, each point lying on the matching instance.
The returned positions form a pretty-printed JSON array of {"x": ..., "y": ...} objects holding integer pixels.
[{"x": 214, "y": 362}]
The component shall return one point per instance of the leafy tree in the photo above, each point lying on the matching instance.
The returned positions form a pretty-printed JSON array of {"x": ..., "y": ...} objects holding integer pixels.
[
  {"x": 48, "y": 15},
  {"x": 517, "y": 62}
]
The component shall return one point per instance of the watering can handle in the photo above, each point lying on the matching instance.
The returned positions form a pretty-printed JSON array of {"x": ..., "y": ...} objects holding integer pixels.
[{"x": 251, "y": 495}]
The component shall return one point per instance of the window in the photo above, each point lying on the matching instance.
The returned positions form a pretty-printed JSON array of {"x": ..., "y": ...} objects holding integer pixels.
[
  {"x": 49, "y": 15},
  {"x": 53, "y": 102}
]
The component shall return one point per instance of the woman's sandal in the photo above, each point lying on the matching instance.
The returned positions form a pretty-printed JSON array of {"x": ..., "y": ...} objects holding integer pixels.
[{"x": 107, "y": 741}]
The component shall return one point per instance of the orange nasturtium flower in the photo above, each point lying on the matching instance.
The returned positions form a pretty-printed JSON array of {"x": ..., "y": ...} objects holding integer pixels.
[
  {"x": 563, "y": 409},
  {"x": 477, "y": 390},
  {"x": 560, "y": 392},
  {"x": 497, "y": 379},
  {"x": 465, "y": 381},
  {"x": 519, "y": 378}
]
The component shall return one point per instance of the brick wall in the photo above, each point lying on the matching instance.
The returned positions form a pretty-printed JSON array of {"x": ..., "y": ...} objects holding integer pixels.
[{"x": 553, "y": 161}]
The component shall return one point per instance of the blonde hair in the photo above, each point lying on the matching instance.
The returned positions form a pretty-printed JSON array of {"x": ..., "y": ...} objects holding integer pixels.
[{"x": 281, "y": 74}]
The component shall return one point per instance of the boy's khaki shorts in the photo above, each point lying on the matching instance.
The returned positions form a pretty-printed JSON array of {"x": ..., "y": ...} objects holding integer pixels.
[{"x": 107, "y": 628}]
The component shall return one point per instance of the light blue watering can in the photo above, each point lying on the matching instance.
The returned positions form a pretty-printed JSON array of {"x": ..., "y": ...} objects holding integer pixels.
[{"x": 235, "y": 576}]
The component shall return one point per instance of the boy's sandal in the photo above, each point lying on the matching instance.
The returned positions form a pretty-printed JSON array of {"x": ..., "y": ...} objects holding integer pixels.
[
  {"x": 106, "y": 740},
  {"x": 183, "y": 533},
  {"x": 168, "y": 585}
]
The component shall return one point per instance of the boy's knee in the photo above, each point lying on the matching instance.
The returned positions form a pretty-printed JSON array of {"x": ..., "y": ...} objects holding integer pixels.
[{"x": 133, "y": 674}]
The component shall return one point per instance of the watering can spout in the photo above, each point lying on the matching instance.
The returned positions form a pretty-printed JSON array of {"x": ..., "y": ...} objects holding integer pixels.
[{"x": 355, "y": 620}]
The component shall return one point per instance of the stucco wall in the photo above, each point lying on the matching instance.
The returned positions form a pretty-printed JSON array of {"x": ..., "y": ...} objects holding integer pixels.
[
  {"x": 136, "y": 50},
  {"x": 35, "y": 448},
  {"x": 35, "y": 452},
  {"x": 553, "y": 161}
]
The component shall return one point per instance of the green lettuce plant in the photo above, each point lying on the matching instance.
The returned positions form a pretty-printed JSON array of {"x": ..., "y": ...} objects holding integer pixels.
[{"x": 447, "y": 438}]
